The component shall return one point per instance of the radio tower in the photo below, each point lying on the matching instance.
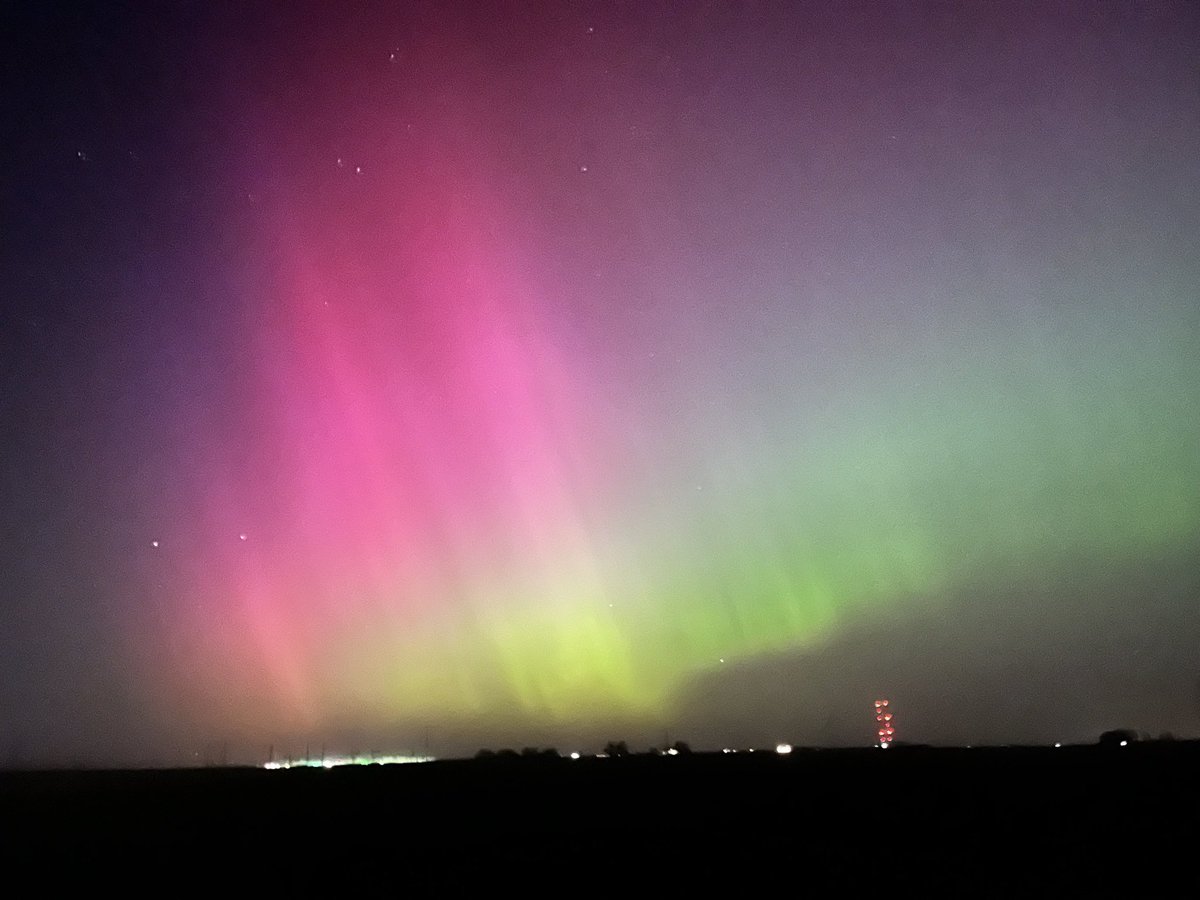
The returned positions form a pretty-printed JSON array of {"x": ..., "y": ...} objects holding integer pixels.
[{"x": 883, "y": 723}]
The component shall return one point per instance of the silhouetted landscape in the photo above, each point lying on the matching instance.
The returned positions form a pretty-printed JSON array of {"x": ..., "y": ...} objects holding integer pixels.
[{"x": 1044, "y": 818}]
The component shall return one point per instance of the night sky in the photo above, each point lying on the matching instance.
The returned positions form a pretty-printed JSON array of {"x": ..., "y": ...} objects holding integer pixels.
[{"x": 384, "y": 375}]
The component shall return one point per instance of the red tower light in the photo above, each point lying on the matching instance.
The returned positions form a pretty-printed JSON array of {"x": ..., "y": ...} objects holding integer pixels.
[{"x": 883, "y": 718}]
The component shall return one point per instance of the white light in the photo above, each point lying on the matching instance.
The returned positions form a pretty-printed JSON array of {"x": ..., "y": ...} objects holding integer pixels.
[
  {"x": 726, "y": 750},
  {"x": 672, "y": 752},
  {"x": 574, "y": 756},
  {"x": 273, "y": 765},
  {"x": 328, "y": 764},
  {"x": 722, "y": 659},
  {"x": 884, "y": 745},
  {"x": 1057, "y": 744},
  {"x": 1124, "y": 743},
  {"x": 782, "y": 749},
  {"x": 242, "y": 536},
  {"x": 154, "y": 543}
]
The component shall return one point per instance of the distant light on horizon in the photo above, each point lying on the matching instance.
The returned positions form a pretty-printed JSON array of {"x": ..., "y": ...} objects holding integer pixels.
[
  {"x": 783, "y": 749},
  {"x": 332, "y": 762}
]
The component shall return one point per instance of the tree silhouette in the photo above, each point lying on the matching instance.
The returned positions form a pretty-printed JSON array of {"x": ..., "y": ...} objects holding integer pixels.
[
  {"x": 616, "y": 748},
  {"x": 1118, "y": 737}
]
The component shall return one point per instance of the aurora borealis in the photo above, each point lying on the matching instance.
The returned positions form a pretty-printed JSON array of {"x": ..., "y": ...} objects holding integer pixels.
[{"x": 554, "y": 373}]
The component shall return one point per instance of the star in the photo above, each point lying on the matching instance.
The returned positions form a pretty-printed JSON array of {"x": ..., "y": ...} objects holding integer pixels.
[{"x": 154, "y": 544}]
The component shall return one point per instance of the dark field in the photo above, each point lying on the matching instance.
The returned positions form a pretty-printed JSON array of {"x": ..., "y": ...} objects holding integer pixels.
[{"x": 870, "y": 822}]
